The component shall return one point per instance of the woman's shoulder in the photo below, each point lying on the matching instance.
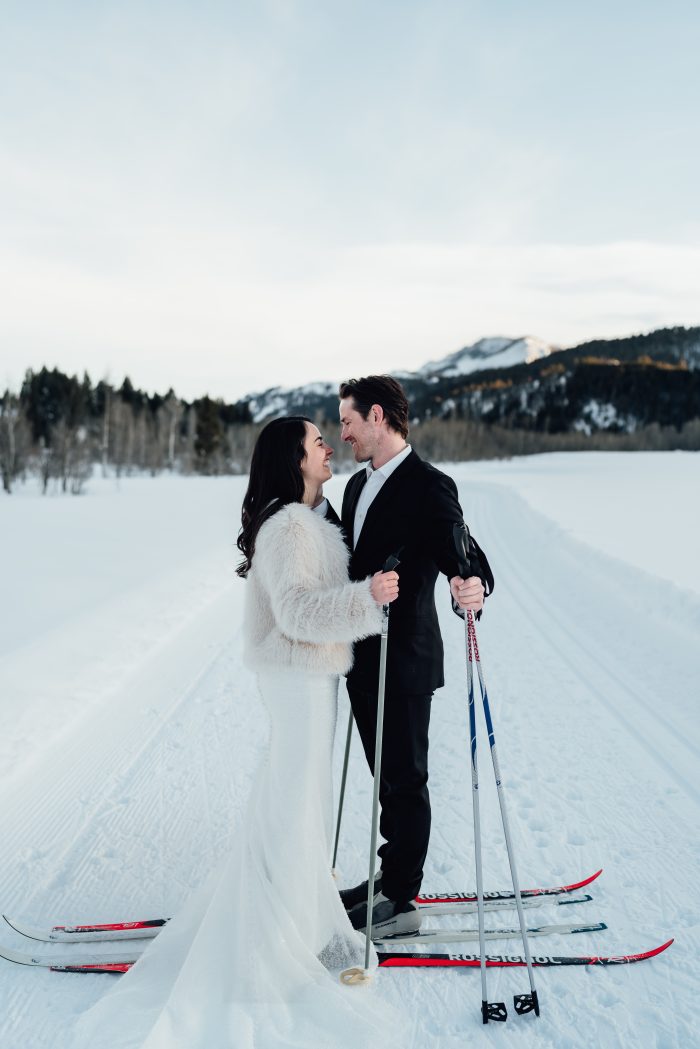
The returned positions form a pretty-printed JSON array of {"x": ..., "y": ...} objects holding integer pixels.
[
  {"x": 297, "y": 525},
  {"x": 292, "y": 521},
  {"x": 298, "y": 539}
]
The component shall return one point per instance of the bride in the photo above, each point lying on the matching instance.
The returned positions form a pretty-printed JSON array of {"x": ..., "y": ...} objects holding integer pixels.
[{"x": 252, "y": 960}]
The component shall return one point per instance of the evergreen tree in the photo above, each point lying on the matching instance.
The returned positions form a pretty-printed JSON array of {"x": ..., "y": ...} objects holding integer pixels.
[{"x": 209, "y": 432}]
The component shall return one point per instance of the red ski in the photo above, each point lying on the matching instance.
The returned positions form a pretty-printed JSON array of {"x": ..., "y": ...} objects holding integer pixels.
[
  {"x": 435, "y": 898},
  {"x": 505, "y": 961},
  {"x": 387, "y": 960}
]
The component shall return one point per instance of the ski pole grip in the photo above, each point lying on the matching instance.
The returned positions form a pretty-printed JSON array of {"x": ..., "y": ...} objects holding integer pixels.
[
  {"x": 460, "y": 534},
  {"x": 392, "y": 561}
]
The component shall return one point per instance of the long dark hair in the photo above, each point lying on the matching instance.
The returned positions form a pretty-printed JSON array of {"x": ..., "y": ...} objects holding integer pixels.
[{"x": 275, "y": 480}]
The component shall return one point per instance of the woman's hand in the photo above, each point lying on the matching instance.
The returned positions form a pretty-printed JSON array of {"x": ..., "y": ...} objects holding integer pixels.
[{"x": 384, "y": 587}]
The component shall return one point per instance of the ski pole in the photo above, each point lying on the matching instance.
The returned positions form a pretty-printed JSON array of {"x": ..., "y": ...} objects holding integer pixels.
[
  {"x": 489, "y": 1010},
  {"x": 524, "y": 1003},
  {"x": 356, "y": 975},
  {"x": 341, "y": 799}
]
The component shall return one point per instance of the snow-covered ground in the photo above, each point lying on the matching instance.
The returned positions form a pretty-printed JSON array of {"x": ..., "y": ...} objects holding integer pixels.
[{"x": 129, "y": 732}]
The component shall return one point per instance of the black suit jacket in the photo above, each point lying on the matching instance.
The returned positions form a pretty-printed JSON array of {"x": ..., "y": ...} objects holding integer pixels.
[
  {"x": 332, "y": 516},
  {"x": 415, "y": 510}
]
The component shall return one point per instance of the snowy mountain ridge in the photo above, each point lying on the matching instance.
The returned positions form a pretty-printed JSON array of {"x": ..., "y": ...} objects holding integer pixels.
[
  {"x": 494, "y": 351},
  {"x": 490, "y": 352},
  {"x": 613, "y": 385}
]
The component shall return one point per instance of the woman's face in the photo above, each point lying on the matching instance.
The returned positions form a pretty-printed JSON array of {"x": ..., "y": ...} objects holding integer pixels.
[{"x": 315, "y": 467}]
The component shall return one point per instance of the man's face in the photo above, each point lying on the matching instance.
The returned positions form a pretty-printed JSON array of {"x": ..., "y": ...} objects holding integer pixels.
[{"x": 358, "y": 432}]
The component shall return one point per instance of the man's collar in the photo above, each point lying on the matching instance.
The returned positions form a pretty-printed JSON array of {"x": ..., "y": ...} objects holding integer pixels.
[{"x": 390, "y": 465}]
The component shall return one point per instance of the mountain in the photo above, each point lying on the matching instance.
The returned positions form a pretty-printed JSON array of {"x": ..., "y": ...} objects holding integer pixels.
[
  {"x": 493, "y": 352},
  {"x": 309, "y": 400},
  {"x": 614, "y": 385},
  {"x": 322, "y": 397}
]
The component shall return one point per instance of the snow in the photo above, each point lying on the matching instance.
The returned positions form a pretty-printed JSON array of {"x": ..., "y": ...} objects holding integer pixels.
[
  {"x": 603, "y": 415},
  {"x": 265, "y": 405},
  {"x": 276, "y": 400},
  {"x": 640, "y": 507},
  {"x": 491, "y": 352},
  {"x": 129, "y": 731}
]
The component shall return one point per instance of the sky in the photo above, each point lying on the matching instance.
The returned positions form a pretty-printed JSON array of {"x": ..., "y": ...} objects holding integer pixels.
[{"x": 221, "y": 197}]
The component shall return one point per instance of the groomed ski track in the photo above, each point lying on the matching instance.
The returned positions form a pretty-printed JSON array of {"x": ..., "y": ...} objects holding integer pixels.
[{"x": 589, "y": 665}]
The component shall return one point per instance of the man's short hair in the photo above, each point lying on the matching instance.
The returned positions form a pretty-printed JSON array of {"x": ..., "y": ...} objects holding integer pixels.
[{"x": 379, "y": 389}]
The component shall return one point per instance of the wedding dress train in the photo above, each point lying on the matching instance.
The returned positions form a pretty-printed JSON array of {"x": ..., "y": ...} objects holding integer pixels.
[{"x": 252, "y": 960}]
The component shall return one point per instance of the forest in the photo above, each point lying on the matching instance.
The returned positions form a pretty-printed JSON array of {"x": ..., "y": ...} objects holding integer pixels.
[{"x": 640, "y": 393}]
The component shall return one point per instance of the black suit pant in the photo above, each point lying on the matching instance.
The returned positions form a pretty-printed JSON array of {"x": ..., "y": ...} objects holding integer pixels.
[{"x": 403, "y": 790}]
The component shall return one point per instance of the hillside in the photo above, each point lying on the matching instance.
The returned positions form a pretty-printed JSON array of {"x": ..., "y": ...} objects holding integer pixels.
[
  {"x": 497, "y": 397},
  {"x": 614, "y": 385}
]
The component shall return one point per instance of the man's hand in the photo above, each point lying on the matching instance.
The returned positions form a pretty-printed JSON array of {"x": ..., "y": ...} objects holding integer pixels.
[
  {"x": 384, "y": 587},
  {"x": 468, "y": 593}
]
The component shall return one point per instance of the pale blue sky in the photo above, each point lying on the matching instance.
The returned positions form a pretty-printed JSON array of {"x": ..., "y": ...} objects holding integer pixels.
[{"x": 224, "y": 196}]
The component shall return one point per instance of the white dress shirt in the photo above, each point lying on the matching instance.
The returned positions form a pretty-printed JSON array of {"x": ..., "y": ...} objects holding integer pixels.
[{"x": 375, "y": 480}]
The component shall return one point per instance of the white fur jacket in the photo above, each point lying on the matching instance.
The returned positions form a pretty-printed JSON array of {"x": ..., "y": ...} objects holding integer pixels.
[{"x": 301, "y": 610}]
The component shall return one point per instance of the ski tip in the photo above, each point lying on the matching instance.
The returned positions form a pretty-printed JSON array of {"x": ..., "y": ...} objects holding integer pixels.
[
  {"x": 11, "y": 925},
  {"x": 114, "y": 967},
  {"x": 586, "y": 881},
  {"x": 642, "y": 956},
  {"x": 662, "y": 948}
]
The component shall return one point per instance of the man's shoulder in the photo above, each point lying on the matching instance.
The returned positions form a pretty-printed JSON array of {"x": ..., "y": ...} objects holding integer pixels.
[{"x": 430, "y": 474}]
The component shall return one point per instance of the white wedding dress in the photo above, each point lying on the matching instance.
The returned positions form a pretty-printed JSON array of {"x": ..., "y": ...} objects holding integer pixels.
[{"x": 252, "y": 960}]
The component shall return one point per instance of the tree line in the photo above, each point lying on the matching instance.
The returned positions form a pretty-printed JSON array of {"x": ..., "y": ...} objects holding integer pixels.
[{"x": 59, "y": 427}]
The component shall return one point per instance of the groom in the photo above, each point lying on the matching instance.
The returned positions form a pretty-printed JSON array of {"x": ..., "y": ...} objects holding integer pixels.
[{"x": 398, "y": 502}]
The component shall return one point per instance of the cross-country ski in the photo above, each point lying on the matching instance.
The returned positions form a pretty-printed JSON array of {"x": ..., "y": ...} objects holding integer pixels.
[
  {"x": 427, "y": 934},
  {"x": 435, "y": 903},
  {"x": 114, "y": 963},
  {"x": 424, "y": 935},
  {"x": 512, "y": 961}
]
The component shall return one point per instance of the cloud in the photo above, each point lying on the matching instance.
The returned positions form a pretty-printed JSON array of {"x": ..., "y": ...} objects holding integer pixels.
[
  {"x": 230, "y": 197},
  {"x": 209, "y": 316}
]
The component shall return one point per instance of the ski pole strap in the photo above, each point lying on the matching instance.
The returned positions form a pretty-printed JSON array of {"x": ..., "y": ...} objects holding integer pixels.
[{"x": 471, "y": 559}]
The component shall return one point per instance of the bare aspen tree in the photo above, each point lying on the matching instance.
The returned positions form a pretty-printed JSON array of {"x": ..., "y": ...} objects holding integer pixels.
[
  {"x": 171, "y": 411},
  {"x": 120, "y": 422},
  {"x": 187, "y": 458},
  {"x": 80, "y": 469},
  {"x": 14, "y": 440},
  {"x": 240, "y": 440},
  {"x": 140, "y": 429},
  {"x": 9, "y": 409},
  {"x": 129, "y": 438},
  {"x": 104, "y": 443},
  {"x": 43, "y": 464}
]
